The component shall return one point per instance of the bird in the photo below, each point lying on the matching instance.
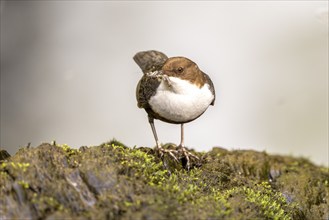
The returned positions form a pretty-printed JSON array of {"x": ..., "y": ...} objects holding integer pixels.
[{"x": 172, "y": 90}]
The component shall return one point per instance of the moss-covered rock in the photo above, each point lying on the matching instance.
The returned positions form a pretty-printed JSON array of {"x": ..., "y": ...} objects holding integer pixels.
[{"x": 112, "y": 181}]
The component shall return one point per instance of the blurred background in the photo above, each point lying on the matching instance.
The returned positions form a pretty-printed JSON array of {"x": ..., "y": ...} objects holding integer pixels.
[{"x": 67, "y": 72}]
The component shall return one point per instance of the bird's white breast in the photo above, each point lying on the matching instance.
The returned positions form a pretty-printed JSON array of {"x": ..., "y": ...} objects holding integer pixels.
[{"x": 182, "y": 101}]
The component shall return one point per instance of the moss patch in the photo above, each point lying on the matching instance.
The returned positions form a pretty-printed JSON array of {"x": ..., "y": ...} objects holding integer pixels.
[{"x": 116, "y": 182}]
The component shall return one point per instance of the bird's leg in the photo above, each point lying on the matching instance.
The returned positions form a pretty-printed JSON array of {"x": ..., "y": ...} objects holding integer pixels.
[
  {"x": 184, "y": 151},
  {"x": 151, "y": 121},
  {"x": 181, "y": 135},
  {"x": 159, "y": 148}
]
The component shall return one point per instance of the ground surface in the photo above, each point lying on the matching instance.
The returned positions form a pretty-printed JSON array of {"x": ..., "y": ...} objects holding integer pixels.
[{"x": 112, "y": 181}]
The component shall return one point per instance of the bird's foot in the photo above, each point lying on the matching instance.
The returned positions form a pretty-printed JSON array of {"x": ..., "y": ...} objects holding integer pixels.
[
  {"x": 171, "y": 152},
  {"x": 188, "y": 156},
  {"x": 178, "y": 153}
]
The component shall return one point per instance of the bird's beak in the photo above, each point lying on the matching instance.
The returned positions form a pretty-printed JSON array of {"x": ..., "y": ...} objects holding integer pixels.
[{"x": 160, "y": 76}]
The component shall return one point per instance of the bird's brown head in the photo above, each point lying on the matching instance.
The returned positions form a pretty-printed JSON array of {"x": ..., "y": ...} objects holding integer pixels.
[{"x": 185, "y": 69}]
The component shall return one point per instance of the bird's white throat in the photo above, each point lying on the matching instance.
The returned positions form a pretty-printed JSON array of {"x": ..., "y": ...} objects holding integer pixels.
[{"x": 182, "y": 101}]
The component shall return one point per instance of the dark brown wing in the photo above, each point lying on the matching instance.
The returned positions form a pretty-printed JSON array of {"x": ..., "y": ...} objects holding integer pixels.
[
  {"x": 150, "y": 60},
  {"x": 146, "y": 88},
  {"x": 212, "y": 88}
]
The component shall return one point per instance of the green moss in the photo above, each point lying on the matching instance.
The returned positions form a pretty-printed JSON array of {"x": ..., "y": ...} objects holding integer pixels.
[
  {"x": 68, "y": 150},
  {"x": 24, "y": 184},
  {"x": 18, "y": 166},
  {"x": 139, "y": 164},
  {"x": 45, "y": 203},
  {"x": 272, "y": 204},
  {"x": 3, "y": 175},
  {"x": 116, "y": 182},
  {"x": 195, "y": 189},
  {"x": 70, "y": 153}
]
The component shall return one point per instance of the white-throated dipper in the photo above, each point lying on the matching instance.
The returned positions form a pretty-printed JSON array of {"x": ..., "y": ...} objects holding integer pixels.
[{"x": 173, "y": 90}]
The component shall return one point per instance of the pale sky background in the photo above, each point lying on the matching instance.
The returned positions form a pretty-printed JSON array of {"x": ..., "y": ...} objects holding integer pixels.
[{"x": 67, "y": 72}]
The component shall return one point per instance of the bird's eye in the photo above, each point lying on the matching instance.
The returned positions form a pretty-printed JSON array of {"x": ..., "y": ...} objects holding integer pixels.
[{"x": 180, "y": 69}]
